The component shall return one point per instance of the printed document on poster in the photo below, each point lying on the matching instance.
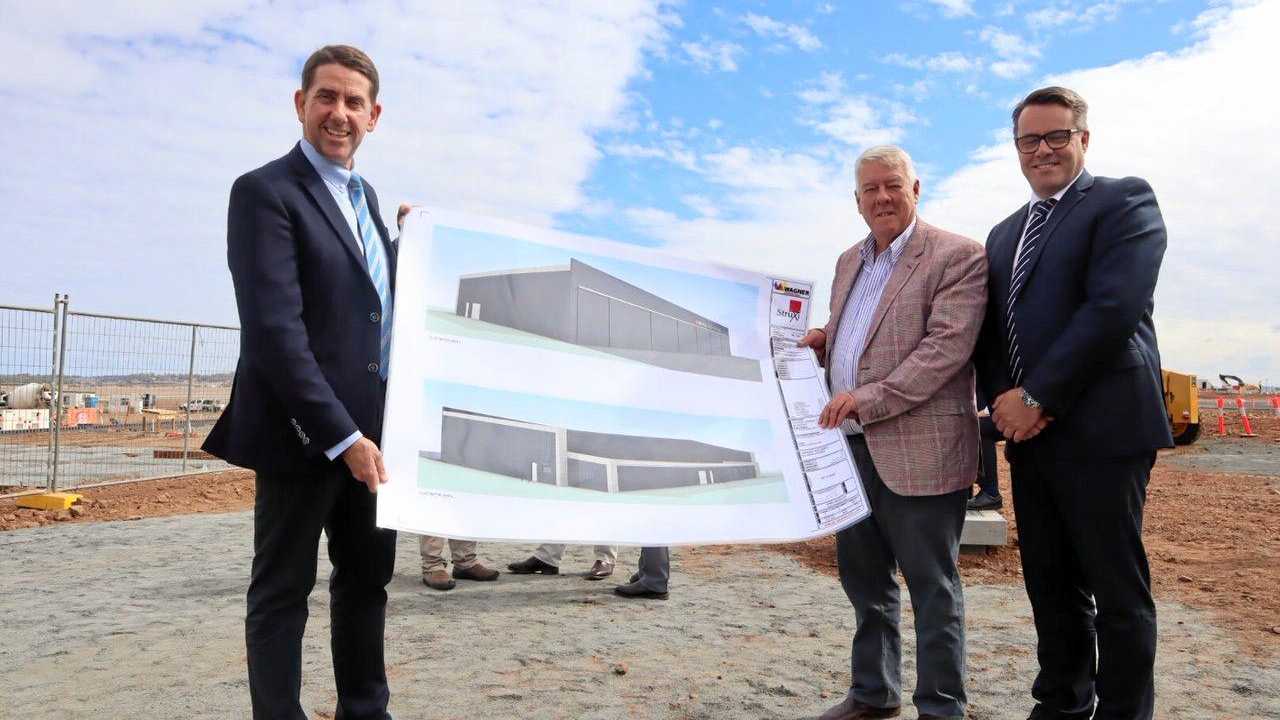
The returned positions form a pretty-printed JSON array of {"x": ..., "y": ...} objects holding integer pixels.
[{"x": 552, "y": 387}]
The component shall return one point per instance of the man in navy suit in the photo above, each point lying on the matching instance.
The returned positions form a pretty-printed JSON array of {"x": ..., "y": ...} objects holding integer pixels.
[
  {"x": 313, "y": 269},
  {"x": 1068, "y": 352}
]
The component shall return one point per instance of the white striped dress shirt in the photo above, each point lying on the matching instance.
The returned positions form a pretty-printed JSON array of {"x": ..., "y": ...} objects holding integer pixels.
[{"x": 855, "y": 319}]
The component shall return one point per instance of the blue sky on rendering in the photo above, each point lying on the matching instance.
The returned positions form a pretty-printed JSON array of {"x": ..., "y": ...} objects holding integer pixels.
[{"x": 715, "y": 130}]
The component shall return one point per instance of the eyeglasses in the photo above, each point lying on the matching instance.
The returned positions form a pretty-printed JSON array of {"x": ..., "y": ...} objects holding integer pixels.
[{"x": 1056, "y": 140}]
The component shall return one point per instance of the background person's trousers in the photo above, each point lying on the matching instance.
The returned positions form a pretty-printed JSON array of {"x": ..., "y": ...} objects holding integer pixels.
[
  {"x": 920, "y": 535},
  {"x": 431, "y": 547},
  {"x": 552, "y": 553},
  {"x": 288, "y": 513},
  {"x": 655, "y": 568}
]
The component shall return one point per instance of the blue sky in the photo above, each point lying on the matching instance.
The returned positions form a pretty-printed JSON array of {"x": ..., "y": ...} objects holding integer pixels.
[{"x": 715, "y": 130}]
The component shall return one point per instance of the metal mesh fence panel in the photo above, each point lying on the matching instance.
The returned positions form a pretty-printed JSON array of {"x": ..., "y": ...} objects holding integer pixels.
[
  {"x": 137, "y": 397},
  {"x": 27, "y": 340}
]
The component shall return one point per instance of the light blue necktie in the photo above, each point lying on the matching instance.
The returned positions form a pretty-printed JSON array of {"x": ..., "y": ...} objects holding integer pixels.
[{"x": 376, "y": 257}]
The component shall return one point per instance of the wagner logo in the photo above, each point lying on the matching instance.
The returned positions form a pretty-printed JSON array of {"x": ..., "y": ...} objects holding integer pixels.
[{"x": 784, "y": 287}]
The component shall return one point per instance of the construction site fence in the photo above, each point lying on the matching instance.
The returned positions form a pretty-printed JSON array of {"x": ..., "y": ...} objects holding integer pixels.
[{"x": 90, "y": 399}]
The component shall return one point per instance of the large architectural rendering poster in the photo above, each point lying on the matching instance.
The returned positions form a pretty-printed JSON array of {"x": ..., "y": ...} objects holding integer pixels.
[{"x": 553, "y": 387}]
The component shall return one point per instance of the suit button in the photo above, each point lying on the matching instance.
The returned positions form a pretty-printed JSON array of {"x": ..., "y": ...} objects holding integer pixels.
[
  {"x": 374, "y": 317},
  {"x": 373, "y": 367}
]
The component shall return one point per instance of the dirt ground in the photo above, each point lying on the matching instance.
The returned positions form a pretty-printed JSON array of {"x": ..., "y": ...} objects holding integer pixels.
[{"x": 1212, "y": 535}]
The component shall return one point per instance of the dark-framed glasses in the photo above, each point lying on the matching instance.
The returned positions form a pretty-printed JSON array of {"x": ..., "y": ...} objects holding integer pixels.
[{"x": 1056, "y": 140}]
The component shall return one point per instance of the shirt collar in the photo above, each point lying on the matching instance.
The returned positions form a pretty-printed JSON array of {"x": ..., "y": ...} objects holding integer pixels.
[
  {"x": 1058, "y": 195},
  {"x": 895, "y": 248},
  {"x": 330, "y": 171}
]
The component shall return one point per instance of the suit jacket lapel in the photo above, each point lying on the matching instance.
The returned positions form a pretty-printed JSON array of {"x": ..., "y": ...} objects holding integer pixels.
[
  {"x": 844, "y": 285},
  {"x": 901, "y": 273},
  {"x": 314, "y": 185},
  {"x": 1069, "y": 200}
]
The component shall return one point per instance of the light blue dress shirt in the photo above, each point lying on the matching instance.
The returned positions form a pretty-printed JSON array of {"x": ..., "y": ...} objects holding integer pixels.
[
  {"x": 855, "y": 318},
  {"x": 335, "y": 178}
]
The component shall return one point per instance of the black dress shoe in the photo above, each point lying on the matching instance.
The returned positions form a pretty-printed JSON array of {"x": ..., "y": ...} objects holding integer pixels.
[
  {"x": 983, "y": 501},
  {"x": 600, "y": 570},
  {"x": 1040, "y": 712},
  {"x": 635, "y": 578},
  {"x": 531, "y": 566},
  {"x": 636, "y": 590}
]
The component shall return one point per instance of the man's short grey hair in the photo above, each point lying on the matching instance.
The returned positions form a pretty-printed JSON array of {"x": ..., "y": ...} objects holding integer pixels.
[{"x": 890, "y": 155}]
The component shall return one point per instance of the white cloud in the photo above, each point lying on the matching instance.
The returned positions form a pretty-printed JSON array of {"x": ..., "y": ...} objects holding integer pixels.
[
  {"x": 1212, "y": 163},
  {"x": 826, "y": 89},
  {"x": 798, "y": 35},
  {"x": 711, "y": 55},
  {"x": 947, "y": 62},
  {"x": 1073, "y": 16},
  {"x": 142, "y": 114},
  {"x": 853, "y": 119},
  {"x": 701, "y": 204},
  {"x": 954, "y": 8},
  {"x": 1015, "y": 54}
]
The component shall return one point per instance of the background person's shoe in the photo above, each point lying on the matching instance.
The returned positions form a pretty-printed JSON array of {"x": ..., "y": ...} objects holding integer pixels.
[
  {"x": 475, "y": 572},
  {"x": 636, "y": 590},
  {"x": 600, "y": 570},
  {"x": 983, "y": 501},
  {"x": 438, "y": 580},
  {"x": 531, "y": 566}
]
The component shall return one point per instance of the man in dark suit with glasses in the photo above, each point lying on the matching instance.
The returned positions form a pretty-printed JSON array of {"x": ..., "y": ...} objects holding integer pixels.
[{"x": 1068, "y": 357}]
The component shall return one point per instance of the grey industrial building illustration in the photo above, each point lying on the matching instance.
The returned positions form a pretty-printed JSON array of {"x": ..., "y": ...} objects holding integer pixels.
[
  {"x": 589, "y": 460},
  {"x": 579, "y": 304}
]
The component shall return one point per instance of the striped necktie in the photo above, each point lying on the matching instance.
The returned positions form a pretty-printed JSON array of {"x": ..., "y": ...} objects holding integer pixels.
[
  {"x": 1039, "y": 214},
  {"x": 376, "y": 258}
]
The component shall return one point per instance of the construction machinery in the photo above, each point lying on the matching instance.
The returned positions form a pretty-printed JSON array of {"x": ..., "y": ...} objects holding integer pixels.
[{"x": 1182, "y": 403}]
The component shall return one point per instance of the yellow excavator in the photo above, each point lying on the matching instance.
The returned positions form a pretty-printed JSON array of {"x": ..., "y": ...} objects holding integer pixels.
[{"x": 1182, "y": 402}]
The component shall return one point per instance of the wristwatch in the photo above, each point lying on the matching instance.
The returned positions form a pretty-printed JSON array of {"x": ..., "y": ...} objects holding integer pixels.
[{"x": 1028, "y": 400}]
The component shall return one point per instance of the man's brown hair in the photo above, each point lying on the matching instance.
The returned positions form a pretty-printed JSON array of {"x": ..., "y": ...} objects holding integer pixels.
[
  {"x": 348, "y": 57},
  {"x": 1054, "y": 95}
]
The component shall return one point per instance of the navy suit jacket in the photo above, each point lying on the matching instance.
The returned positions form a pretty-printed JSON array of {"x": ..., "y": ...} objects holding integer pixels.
[
  {"x": 309, "y": 322},
  {"x": 1083, "y": 317}
]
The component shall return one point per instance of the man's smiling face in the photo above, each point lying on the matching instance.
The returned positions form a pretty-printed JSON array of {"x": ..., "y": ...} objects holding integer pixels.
[
  {"x": 886, "y": 199},
  {"x": 1046, "y": 169},
  {"x": 336, "y": 112}
]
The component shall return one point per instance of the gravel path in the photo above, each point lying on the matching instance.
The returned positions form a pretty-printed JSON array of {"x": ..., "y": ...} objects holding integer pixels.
[{"x": 144, "y": 619}]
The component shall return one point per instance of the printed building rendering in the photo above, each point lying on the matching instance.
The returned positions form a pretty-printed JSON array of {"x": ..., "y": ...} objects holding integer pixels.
[
  {"x": 588, "y": 460},
  {"x": 579, "y": 304}
]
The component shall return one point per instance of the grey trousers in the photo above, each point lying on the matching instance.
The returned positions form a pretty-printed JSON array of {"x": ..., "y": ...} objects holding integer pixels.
[
  {"x": 655, "y": 568},
  {"x": 920, "y": 535}
]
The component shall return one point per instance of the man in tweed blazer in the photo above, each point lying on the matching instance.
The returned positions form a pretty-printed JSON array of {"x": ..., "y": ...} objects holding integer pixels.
[{"x": 906, "y": 307}]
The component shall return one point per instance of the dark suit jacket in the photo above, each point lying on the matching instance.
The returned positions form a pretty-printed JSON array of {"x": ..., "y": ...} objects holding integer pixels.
[
  {"x": 1084, "y": 319},
  {"x": 309, "y": 322}
]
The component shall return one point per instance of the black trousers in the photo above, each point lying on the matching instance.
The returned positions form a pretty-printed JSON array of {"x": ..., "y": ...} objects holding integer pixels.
[
  {"x": 989, "y": 480},
  {"x": 289, "y": 511},
  {"x": 1086, "y": 574}
]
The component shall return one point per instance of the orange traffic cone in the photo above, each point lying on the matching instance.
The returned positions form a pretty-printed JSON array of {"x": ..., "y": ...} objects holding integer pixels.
[
  {"x": 1222, "y": 419},
  {"x": 1248, "y": 429},
  {"x": 1275, "y": 404}
]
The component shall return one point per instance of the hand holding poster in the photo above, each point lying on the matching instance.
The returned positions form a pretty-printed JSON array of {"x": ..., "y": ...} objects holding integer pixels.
[{"x": 558, "y": 388}]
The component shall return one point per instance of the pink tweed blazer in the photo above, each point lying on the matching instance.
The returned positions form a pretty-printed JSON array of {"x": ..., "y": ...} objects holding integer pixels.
[{"x": 915, "y": 376}]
